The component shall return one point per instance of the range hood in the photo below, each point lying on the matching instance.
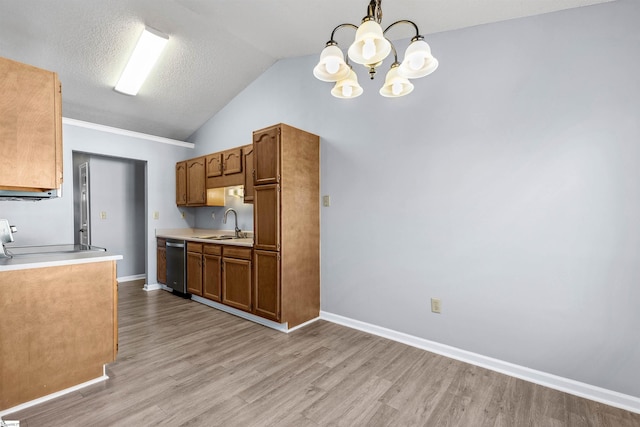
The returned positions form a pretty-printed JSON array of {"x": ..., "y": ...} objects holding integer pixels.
[{"x": 28, "y": 195}]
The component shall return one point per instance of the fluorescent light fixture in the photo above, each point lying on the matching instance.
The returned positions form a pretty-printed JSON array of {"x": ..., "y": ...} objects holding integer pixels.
[{"x": 147, "y": 51}]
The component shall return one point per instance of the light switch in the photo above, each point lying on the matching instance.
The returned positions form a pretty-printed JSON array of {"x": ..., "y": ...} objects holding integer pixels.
[
  {"x": 156, "y": 215},
  {"x": 103, "y": 215},
  {"x": 436, "y": 305}
]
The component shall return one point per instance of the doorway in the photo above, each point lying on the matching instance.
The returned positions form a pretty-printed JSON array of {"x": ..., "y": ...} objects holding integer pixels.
[{"x": 110, "y": 209}]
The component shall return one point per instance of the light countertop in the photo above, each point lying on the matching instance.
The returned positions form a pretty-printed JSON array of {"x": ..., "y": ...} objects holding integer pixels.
[{"x": 203, "y": 235}]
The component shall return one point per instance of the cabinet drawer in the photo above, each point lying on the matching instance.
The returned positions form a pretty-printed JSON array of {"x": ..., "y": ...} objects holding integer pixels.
[
  {"x": 212, "y": 249},
  {"x": 237, "y": 252},
  {"x": 194, "y": 247}
]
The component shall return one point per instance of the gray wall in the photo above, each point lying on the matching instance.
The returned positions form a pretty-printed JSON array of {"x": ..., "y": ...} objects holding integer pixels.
[
  {"x": 507, "y": 185},
  {"x": 117, "y": 188},
  {"x": 205, "y": 219},
  {"x": 52, "y": 221}
]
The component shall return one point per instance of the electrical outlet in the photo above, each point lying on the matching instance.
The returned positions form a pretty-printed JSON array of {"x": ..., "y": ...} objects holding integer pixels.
[
  {"x": 213, "y": 215},
  {"x": 326, "y": 201},
  {"x": 156, "y": 215},
  {"x": 436, "y": 305},
  {"x": 103, "y": 215},
  {"x": 182, "y": 214}
]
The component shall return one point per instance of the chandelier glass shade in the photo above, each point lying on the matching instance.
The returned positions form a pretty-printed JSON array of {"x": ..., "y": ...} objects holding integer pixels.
[
  {"x": 370, "y": 48},
  {"x": 347, "y": 87}
]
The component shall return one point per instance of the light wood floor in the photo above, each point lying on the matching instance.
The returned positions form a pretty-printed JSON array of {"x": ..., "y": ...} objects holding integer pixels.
[{"x": 182, "y": 363}]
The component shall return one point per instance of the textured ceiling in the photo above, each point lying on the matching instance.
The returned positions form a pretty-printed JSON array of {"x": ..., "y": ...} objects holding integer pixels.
[{"x": 216, "y": 47}]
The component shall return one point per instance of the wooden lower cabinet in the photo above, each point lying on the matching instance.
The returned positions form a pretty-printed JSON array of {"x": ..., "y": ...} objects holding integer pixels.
[
  {"x": 194, "y": 268},
  {"x": 59, "y": 328},
  {"x": 161, "y": 271},
  {"x": 236, "y": 277},
  {"x": 212, "y": 273},
  {"x": 266, "y": 284}
]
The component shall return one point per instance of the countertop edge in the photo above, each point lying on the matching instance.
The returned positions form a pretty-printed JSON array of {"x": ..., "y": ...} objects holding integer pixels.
[
  {"x": 56, "y": 261},
  {"x": 188, "y": 235}
]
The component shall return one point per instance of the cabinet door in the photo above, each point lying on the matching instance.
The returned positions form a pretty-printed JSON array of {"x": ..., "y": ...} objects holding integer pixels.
[
  {"x": 196, "y": 194},
  {"x": 266, "y": 209},
  {"x": 236, "y": 283},
  {"x": 266, "y": 156},
  {"x": 232, "y": 161},
  {"x": 214, "y": 165},
  {"x": 30, "y": 127},
  {"x": 266, "y": 285},
  {"x": 212, "y": 277},
  {"x": 181, "y": 183},
  {"x": 247, "y": 153},
  {"x": 161, "y": 272},
  {"x": 194, "y": 273}
]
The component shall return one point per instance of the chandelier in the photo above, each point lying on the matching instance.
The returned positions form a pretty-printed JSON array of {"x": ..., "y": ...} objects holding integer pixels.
[{"x": 370, "y": 48}]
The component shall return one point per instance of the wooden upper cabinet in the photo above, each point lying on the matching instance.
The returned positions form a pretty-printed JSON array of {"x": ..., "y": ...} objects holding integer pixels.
[
  {"x": 214, "y": 165},
  {"x": 247, "y": 154},
  {"x": 224, "y": 169},
  {"x": 30, "y": 127},
  {"x": 266, "y": 156},
  {"x": 266, "y": 207},
  {"x": 181, "y": 183},
  {"x": 196, "y": 193},
  {"x": 232, "y": 161}
]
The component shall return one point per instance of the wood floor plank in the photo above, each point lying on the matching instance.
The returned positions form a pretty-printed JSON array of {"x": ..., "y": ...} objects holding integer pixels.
[{"x": 182, "y": 363}]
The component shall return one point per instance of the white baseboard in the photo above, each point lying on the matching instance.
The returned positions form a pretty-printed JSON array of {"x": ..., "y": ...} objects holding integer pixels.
[
  {"x": 282, "y": 327},
  {"x": 131, "y": 278},
  {"x": 598, "y": 394},
  {"x": 153, "y": 287},
  {"x": 43, "y": 399}
]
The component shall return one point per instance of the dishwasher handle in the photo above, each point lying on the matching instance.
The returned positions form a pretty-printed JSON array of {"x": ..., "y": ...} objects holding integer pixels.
[{"x": 175, "y": 245}]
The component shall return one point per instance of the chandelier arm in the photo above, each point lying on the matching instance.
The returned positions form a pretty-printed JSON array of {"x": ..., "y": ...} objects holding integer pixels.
[
  {"x": 395, "y": 52},
  {"x": 337, "y": 28},
  {"x": 405, "y": 21}
]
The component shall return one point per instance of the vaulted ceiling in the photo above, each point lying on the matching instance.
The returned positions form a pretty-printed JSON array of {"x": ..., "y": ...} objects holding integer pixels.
[{"x": 216, "y": 47}]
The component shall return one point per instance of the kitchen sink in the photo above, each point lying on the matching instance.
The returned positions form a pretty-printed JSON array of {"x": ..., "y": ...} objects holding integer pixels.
[{"x": 224, "y": 237}]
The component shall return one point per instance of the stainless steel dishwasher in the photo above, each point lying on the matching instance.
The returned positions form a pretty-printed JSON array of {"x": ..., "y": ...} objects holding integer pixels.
[{"x": 176, "y": 271}]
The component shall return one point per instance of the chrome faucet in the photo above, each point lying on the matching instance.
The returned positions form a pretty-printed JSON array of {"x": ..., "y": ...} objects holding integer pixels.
[{"x": 224, "y": 220}]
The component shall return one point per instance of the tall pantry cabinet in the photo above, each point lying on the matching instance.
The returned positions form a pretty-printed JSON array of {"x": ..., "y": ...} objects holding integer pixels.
[{"x": 286, "y": 224}]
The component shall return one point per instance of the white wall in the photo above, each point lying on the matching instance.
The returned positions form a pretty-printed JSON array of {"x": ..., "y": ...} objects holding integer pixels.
[
  {"x": 51, "y": 221},
  {"x": 507, "y": 185}
]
